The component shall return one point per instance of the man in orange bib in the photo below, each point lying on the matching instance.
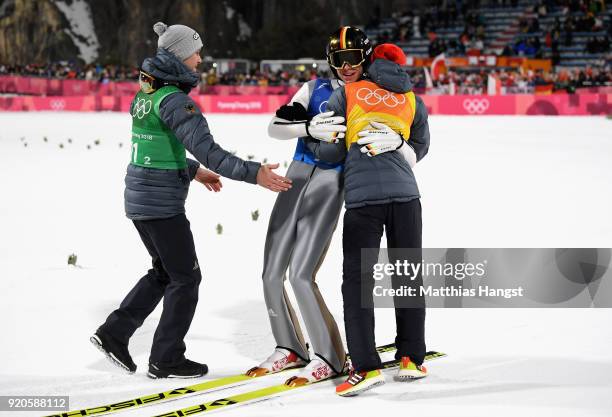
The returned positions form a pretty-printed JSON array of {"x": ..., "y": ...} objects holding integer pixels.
[{"x": 387, "y": 132}]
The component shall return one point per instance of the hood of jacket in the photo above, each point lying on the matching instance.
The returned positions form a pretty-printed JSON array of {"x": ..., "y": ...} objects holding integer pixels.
[
  {"x": 165, "y": 66},
  {"x": 390, "y": 76}
]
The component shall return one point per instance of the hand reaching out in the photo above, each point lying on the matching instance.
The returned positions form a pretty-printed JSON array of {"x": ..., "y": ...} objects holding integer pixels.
[
  {"x": 211, "y": 181},
  {"x": 268, "y": 179}
]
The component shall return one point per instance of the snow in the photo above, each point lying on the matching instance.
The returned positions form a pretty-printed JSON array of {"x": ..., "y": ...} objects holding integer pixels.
[
  {"x": 229, "y": 12},
  {"x": 487, "y": 182},
  {"x": 244, "y": 29},
  {"x": 82, "y": 30}
]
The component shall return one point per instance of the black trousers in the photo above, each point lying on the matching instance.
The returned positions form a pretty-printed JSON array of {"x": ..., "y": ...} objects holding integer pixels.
[
  {"x": 175, "y": 277},
  {"x": 363, "y": 228}
]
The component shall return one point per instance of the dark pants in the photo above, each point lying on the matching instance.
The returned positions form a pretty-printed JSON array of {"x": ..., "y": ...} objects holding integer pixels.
[
  {"x": 175, "y": 276},
  {"x": 363, "y": 228}
]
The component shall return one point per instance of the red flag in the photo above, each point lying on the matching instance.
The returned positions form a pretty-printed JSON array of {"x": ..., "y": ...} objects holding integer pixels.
[{"x": 438, "y": 66}]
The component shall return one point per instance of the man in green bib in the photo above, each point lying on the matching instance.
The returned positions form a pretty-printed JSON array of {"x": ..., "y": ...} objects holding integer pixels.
[{"x": 165, "y": 124}]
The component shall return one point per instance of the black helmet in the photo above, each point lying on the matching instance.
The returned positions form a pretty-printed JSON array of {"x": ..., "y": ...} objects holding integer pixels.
[{"x": 348, "y": 45}]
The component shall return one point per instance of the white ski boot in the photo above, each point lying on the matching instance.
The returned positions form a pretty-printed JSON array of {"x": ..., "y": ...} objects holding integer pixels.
[
  {"x": 280, "y": 360},
  {"x": 317, "y": 370}
]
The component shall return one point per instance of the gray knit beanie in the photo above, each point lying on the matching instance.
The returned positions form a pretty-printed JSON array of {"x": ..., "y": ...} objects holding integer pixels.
[{"x": 180, "y": 40}]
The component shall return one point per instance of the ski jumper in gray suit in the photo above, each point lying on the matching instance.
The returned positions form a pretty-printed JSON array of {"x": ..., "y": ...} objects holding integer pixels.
[{"x": 300, "y": 230}]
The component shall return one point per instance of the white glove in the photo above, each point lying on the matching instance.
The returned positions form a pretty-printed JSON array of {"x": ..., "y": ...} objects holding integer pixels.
[
  {"x": 380, "y": 138},
  {"x": 409, "y": 154},
  {"x": 326, "y": 127}
]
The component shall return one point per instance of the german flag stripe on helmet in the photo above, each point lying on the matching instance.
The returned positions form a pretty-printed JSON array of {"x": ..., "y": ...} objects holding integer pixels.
[{"x": 343, "y": 37}]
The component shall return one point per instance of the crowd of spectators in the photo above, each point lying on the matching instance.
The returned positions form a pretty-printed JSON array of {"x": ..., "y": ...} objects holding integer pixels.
[
  {"x": 104, "y": 74},
  {"x": 514, "y": 81},
  {"x": 598, "y": 45},
  {"x": 465, "y": 81},
  {"x": 72, "y": 70},
  {"x": 575, "y": 16},
  {"x": 440, "y": 14},
  {"x": 589, "y": 77},
  {"x": 525, "y": 46},
  {"x": 262, "y": 79}
]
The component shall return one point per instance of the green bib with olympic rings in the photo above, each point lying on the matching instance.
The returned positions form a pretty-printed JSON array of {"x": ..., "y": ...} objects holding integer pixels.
[{"x": 154, "y": 145}]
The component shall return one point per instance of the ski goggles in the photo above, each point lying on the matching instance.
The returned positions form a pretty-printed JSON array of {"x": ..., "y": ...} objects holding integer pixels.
[
  {"x": 147, "y": 82},
  {"x": 353, "y": 57}
]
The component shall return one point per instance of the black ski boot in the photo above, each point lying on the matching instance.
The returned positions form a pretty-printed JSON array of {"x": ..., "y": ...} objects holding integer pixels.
[
  {"x": 185, "y": 369},
  {"x": 115, "y": 351}
]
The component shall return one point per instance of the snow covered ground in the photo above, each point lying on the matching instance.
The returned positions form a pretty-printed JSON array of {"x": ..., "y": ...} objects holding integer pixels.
[{"x": 487, "y": 182}]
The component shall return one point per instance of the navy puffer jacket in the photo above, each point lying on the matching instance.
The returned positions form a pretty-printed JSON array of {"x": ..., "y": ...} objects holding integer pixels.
[
  {"x": 387, "y": 177},
  {"x": 161, "y": 193}
]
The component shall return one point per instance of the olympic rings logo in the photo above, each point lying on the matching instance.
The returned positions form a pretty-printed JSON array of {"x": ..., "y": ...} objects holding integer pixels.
[
  {"x": 476, "y": 106},
  {"x": 58, "y": 104},
  {"x": 141, "y": 108},
  {"x": 379, "y": 95}
]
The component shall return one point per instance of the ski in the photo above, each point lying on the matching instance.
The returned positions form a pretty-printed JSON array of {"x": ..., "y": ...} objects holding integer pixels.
[
  {"x": 173, "y": 394},
  {"x": 267, "y": 393}
]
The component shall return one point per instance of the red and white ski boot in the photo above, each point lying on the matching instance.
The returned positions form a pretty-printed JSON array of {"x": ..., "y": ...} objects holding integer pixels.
[
  {"x": 280, "y": 360},
  {"x": 317, "y": 370}
]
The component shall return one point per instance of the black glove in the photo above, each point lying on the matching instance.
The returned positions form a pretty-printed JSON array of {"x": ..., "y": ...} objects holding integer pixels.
[{"x": 292, "y": 112}]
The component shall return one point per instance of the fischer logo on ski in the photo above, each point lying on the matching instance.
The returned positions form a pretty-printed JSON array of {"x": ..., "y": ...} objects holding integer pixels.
[
  {"x": 270, "y": 392},
  {"x": 205, "y": 386}
]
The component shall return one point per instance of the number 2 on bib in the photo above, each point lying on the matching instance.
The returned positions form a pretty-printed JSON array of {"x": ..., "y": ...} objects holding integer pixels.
[{"x": 147, "y": 159}]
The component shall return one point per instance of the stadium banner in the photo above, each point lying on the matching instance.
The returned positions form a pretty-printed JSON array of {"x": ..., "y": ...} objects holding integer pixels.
[
  {"x": 543, "y": 105},
  {"x": 244, "y": 104},
  {"x": 36, "y": 86},
  {"x": 208, "y": 104},
  {"x": 521, "y": 104},
  {"x": 565, "y": 105},
  {"x": 248, "y": 90},
  {"x": 476, "y": 105}
]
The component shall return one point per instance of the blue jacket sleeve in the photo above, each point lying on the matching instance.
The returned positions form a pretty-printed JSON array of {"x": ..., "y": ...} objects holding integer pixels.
[{"x": 181, "y": 114}]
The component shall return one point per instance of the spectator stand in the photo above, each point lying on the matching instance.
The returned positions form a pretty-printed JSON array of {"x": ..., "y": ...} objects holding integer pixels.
[{"x": 572, "y": 33}]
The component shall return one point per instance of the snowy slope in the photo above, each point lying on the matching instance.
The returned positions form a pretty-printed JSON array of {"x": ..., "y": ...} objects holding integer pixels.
[
  {"x": 82, "y": 30},
  {"x": 487, "y": 182}
]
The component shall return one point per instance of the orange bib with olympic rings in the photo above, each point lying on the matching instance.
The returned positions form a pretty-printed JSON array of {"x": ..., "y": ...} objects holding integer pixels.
[{"x": 366, "y": 102}]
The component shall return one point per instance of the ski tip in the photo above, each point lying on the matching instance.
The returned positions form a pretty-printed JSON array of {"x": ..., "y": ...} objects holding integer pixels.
[
  {"x": 256, "y": 372},
  {"x": 432, "y": 354},
  {"x": 295, "y": 382}
]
